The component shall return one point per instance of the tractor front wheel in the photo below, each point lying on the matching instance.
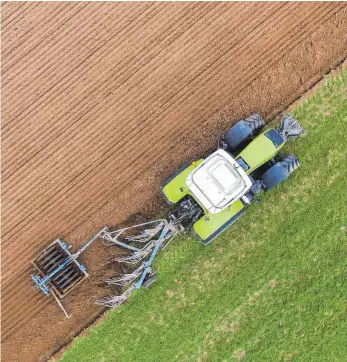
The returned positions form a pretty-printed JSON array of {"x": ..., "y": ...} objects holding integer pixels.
[{"x": 243, "y": 131}]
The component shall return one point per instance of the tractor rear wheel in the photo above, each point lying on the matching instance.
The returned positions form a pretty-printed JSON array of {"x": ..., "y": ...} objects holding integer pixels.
[
  {"x": 279, "y": 172},
  {"x": 255, "y": 122},
  {"x": 243, "y": 131},
  {"x": 291, "y": 163}
]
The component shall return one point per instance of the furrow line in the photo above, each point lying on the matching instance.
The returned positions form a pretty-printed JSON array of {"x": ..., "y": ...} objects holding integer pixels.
[
  {"x": 10, "y": 20},
  {"x": 11, "y": 326},
  {"x": 116, "y": 37},
  {"x": 29, "y": 35},
  {"x": 37, "y": 73},
  {"x": 14, "y": 119},
  {"x": 26, "y": 64}
]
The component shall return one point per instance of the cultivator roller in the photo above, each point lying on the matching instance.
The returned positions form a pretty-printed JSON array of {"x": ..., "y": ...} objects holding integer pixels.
[
  {"x": 58, "y": 271},
  {"x": 64, "y": 279}
]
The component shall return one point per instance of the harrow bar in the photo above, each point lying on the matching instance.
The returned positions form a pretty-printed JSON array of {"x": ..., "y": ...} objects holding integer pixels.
[{"x": 58, "y": 270}]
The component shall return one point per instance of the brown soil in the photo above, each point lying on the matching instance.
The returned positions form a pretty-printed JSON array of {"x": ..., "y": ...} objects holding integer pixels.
[{"x": 102, "y": 101}]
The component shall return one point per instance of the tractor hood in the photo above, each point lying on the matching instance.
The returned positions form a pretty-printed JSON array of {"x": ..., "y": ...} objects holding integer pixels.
[{"x": 218, "y": 181}]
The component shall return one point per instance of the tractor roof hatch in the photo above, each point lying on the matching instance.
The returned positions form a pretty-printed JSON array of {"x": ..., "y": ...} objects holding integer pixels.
[{"x": 218, "y": 181}]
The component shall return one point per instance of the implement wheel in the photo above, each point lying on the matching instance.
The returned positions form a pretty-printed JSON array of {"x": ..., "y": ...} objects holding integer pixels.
[{"x": 150, "y": 279}]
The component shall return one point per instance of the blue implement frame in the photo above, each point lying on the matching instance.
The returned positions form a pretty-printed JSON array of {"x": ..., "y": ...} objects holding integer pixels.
[{"x": 149, "y": 262}]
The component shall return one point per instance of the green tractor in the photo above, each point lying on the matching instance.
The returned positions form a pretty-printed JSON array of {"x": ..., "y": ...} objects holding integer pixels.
[
  {"x": 208, "y": 196},
  {"x": 212, "y": 193}
]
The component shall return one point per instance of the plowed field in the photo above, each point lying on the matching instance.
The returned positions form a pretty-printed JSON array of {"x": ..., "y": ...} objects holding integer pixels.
[{"x": 102, "y": 101}]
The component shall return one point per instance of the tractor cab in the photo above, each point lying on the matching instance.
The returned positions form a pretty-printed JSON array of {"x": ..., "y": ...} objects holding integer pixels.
[{"x": 218, "y": 182}]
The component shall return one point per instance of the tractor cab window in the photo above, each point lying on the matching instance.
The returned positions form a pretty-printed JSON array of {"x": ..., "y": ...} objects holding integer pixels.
[{"x": 242, "y": 163}]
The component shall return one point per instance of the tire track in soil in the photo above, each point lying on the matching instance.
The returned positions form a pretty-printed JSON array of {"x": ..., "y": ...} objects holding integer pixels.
[{"x": 184, "y": 97}]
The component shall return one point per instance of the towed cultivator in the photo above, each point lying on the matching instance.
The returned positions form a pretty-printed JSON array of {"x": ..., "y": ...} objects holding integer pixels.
[{"x": 209, "y": 195}]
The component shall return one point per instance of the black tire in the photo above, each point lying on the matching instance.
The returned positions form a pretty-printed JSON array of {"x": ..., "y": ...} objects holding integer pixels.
[
  {"x": 149, "y": 280},
  {"x": 243, "y": 130},
  {"x": 279, "y": 172},
  {"x": 290, "y": 163},
  {"x": 255, "y": 122}
]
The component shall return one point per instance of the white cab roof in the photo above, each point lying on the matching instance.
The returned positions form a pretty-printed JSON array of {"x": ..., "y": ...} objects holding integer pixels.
[{"x": 218, "y": 181}]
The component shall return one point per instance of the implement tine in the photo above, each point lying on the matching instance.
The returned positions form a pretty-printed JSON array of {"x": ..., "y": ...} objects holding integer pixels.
[
  {"x": 133, "y": 258},
  {"x": 143, "y": 236},
  {"x": 125, "y": 279},
  {"x": 114, "y": 301},
  {"x": 122, "y": 280}
]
